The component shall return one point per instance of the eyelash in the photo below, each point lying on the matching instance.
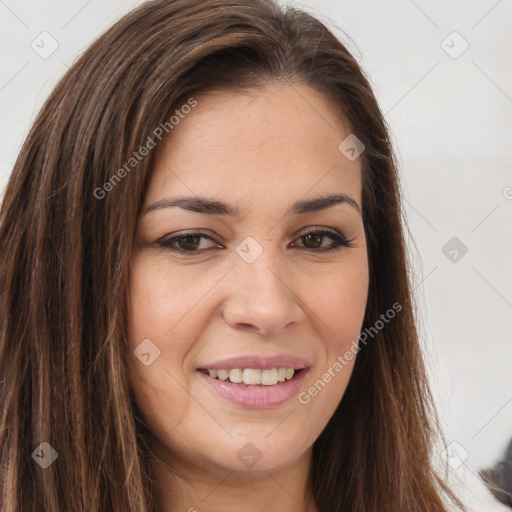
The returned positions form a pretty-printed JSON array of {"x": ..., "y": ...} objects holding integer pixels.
[{"x": 339, "y": 241}]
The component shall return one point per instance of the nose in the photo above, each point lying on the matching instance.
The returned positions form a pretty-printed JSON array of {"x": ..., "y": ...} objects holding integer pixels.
[{"x": 263, "y": 296}]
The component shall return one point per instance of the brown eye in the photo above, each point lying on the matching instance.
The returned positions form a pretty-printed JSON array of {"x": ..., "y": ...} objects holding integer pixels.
[
  {"x": 187, "y": 243},
  {"x": 313, "y": 240}
]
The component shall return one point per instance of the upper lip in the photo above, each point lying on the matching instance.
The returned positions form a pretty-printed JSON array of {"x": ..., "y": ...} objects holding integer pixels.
[{"x": 258, "y": 362}]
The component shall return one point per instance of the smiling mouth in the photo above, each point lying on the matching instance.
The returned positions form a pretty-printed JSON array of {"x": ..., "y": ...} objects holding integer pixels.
[{"x": 253, "y": 376}]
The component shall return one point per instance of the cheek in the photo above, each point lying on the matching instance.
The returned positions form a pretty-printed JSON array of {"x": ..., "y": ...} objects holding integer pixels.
[
  {"x": 158, "y": 305},
  {"x": 339, "y": 308},
  {"x": 161, "y": 301},
  {"x": 340, "y": 304}
]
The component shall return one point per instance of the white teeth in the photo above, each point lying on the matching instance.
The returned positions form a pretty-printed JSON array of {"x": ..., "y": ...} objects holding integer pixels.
[
  {"x": 235, "y": 376},
  {"x": 254, "y": 376},
  {"x": 269, "y": 377}
]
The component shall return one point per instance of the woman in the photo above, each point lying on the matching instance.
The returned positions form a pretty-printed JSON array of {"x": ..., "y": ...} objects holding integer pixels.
[{"x": 204, "y": 281}]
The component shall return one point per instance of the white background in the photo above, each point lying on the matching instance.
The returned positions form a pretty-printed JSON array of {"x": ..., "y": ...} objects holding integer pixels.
[{"x": 451, "y": 121}]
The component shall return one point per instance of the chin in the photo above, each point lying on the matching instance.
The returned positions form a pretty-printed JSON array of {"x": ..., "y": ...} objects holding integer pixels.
[{"x": 258, "y": 452}]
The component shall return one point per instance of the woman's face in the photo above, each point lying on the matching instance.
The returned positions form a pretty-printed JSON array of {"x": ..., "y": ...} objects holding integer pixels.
[{"x": 250, "y": 292}]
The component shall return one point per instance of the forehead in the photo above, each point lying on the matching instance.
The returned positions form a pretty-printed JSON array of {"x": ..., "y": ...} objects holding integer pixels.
[{"x": 257, "y": 147}]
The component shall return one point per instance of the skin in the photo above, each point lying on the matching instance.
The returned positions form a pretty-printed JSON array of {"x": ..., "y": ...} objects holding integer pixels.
[{"x": 260, "y": 151}]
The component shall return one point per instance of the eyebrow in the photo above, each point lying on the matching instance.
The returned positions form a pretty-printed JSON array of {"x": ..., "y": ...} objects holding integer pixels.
[{"x": 213, "y": 207}]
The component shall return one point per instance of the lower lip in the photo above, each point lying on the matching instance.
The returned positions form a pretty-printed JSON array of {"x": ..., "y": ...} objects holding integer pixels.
[{"x": 256, "y": 397}]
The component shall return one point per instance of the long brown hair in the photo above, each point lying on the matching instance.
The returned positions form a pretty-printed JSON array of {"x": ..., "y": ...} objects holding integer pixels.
[{"x": 65, "y": 248}]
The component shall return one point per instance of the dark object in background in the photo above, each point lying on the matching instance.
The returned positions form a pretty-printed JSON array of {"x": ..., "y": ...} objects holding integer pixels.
[{"x": 498, "y": 478}]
